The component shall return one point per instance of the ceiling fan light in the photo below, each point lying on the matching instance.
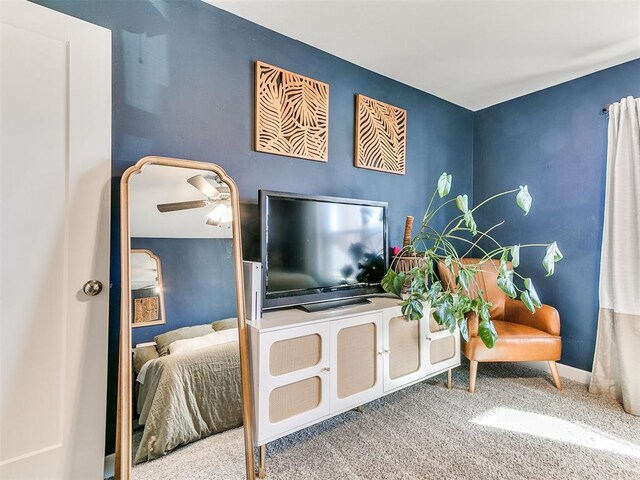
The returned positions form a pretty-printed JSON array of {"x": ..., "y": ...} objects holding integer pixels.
[
  {"x": 221, "y": 213},
  {"x": 227, "y": 217}
]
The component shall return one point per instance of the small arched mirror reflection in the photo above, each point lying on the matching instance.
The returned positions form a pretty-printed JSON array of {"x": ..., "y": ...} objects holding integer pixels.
[
  {"x": 184, "y": 393},
  {"x": 147, "y": 295}
]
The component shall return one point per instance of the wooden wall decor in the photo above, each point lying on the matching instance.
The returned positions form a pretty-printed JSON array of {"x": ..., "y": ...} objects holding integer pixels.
[
  {"x": 291, "y": 114},
  {"x": 381, "y": 136},
  {"x": 146, "y": 310}
]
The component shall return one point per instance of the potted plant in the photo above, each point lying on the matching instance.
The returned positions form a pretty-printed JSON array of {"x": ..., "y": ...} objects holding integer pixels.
[{"x": 435, "y": 247}]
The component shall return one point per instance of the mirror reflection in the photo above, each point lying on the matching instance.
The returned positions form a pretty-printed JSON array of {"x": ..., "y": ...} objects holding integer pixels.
[
  {"x": 186, "y": 395},
  {"x": 147, "y": 297}
]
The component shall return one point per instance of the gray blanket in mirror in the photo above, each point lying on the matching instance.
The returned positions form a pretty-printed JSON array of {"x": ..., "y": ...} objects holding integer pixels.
[{"x": 186, "y": 397}]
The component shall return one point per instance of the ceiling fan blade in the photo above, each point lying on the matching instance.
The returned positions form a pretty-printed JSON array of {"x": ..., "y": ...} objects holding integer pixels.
[
  {"x": 204, "y": 186},
  {"x": 172, "y": 207}
]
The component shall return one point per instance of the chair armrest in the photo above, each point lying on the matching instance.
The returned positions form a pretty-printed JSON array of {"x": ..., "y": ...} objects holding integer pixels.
[
  {"x": 546, "y": 318},
  {"x": 472, "y": 324}
]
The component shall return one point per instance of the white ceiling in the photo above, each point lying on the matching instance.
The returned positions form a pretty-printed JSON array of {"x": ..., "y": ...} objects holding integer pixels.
[
  {"x": 159, "y": 184},
  {"x": 472, "y": 53}
]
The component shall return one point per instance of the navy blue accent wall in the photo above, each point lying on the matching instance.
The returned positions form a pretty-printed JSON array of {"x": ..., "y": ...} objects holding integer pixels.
[
  {"x": 183, "y": 87},
  {"x": 555, "y": 141},
  {"x": 198, "y": 279}
]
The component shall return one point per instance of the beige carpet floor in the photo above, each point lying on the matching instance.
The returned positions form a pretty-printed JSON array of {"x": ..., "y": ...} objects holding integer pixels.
[{"x": 516, "y": 426}]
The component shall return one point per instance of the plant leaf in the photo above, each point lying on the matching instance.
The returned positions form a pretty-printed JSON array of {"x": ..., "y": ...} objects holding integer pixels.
[
  {"x": 487, "y": 333},
  {"x": 462, "y": 202},
  {"x": 470, "y": 222},
  {"x": 505, "y": 283},
  {"x": 504, "y": 258},
  {"x": 412, "y": 308},
  {"x": 557, "y": 254},
  {"x": 528, "y": 284},
  {"x": 418, "y": 282},
  {"x": 504, "y": 268},
  {"x": 484, "y": 311},
  {"x": 416, "y": 309},
  {"x": 387, "y": 281},
  {"x": 464, "y": 277},
  {"x": 434, "y": 291},
  {"x": 444, "y": 184},
  {"x": 464, "y": 329},
  {"x": 551, "y": 256},
  {"x": 523, "y": 199},
  {"x": 526, "y": 299},
  {"x": 515, "y": 255},
  {"x": 444, "y": 314},
  {"x": 548, "y": 264},
  {"x": 398, "y": 282}
]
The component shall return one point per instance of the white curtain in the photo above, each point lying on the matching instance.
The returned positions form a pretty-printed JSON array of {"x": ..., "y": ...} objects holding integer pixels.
[{"x": 616, "y": 366}]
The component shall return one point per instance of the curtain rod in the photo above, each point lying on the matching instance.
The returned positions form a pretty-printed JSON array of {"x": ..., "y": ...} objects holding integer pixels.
[{"x": 605, "y": 109}]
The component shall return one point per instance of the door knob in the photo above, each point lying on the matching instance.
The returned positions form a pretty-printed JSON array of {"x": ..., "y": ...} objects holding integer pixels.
[{"x": 92, "y": 288}]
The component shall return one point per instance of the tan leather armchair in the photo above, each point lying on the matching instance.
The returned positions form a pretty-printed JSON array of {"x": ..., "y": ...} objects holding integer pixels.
[{"x": 522, "y": 336}]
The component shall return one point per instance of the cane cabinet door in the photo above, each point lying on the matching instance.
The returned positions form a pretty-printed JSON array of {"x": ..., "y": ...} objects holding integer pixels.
[
  {"x": 356, "y": 360},
  {"x": 294, "y": 387},
  {"x": 405, "y": 349},
  {"x": 443, "y": 351}
]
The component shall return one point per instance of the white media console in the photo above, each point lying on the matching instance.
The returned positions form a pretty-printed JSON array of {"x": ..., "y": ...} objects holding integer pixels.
[{"x": 307, "y": 367}]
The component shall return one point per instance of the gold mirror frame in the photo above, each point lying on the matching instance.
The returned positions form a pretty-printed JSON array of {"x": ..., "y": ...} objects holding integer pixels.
[
  {"x": 163, "y": 318},
  {"x": 123, "y": 426}
]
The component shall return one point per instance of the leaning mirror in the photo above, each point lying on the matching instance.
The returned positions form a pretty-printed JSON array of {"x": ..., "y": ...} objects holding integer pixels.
[{"x": 184, "y": 407}]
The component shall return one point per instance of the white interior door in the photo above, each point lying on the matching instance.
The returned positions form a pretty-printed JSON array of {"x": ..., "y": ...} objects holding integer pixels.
[{"x": 54, "y": 221}]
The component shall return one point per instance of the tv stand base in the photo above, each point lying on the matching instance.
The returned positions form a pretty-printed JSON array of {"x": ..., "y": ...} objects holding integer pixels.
[{"x": 344, "y": 302}]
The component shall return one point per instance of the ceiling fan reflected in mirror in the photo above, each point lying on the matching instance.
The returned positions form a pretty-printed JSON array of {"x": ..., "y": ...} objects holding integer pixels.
[{"x": 218, "y": 195}]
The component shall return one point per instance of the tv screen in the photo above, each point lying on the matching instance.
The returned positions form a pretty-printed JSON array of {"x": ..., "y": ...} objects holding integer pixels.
[{"x": 321, "y": 248}]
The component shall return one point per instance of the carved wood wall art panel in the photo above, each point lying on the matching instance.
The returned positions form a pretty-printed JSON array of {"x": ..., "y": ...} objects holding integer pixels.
[
  {"x": 381, "y": 136},
  {"x": 291, "y": 114},
  {"x": 146, "y": 310}
]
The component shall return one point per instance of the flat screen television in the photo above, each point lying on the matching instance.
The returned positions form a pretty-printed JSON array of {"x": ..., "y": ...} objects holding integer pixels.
[{"x": 319, "y": 249}]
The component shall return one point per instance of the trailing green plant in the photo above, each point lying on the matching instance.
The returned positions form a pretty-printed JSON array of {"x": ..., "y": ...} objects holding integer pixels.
[{"x": 426, "y": 291}]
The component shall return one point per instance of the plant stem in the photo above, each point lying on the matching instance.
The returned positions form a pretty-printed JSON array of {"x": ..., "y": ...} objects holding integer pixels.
[
  {"x": 429, "y": 206},
  {"x": 436, "y": 210},
  {"x": 493, "y": 197}
]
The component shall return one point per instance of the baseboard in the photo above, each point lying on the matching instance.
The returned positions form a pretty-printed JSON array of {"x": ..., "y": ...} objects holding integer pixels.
[
  {"x": 109, "y": 466},
  {"x": 565, "y": 371}
]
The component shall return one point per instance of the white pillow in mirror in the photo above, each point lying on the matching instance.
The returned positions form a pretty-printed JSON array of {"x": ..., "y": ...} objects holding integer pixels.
[{"x": 214, "y": 338}]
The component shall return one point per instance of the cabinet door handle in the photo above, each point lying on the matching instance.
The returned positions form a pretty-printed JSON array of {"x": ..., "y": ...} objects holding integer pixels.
[
  {"x": 380, "y": 353},
  {"x": 325, "y": 369},
  {"x": 386, "y": 350}
]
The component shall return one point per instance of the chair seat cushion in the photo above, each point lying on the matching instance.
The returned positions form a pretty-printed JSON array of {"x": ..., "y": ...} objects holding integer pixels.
[{"x": 516, "y": 343}]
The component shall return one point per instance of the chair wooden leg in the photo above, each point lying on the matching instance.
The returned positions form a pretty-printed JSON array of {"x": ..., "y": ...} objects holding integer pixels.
[
  {"x": 555, "y": 375},
  {"x": 473, "y": 370}
]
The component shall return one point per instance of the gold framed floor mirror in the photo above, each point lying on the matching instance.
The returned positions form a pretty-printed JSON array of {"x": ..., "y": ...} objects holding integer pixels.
[{"x": 184, "y": 373}]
